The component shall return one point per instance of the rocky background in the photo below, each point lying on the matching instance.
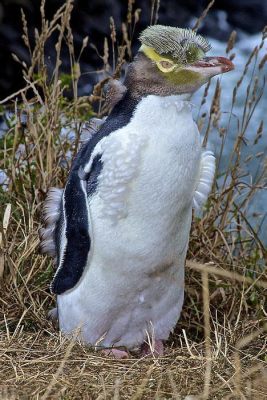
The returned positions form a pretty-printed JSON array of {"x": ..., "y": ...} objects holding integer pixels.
[{"x": 91, "y": 17}]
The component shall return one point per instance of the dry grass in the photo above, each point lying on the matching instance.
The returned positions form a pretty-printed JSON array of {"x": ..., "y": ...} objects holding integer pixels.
[
  {"x": 44, "y": 365},
  {"x": 218, "y": 349}
]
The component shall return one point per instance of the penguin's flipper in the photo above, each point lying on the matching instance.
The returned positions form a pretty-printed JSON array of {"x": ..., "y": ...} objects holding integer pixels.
[
  {"x": 73, "y": 229},
  {"x": 205, "y": 180}
]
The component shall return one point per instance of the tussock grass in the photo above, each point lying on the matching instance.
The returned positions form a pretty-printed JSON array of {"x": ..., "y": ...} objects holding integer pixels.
[{"x": 218, "y": 349}]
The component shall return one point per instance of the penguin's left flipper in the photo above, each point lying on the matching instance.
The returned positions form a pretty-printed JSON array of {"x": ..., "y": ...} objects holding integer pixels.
[{"x": 206, "y": 178}]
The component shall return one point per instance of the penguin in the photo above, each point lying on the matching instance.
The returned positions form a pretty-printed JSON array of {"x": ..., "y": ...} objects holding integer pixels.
[{"x": 119, "y": 230}]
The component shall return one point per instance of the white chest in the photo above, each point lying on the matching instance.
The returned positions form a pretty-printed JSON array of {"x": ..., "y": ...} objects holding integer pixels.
[
  {"x": 147, "y": 185},
  {"x": 155, "y": 158},
  {"x": 171, "y": 158}
]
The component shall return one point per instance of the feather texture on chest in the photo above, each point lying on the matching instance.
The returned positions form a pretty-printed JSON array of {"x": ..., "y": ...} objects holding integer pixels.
[{"x": 157, "y": 152}]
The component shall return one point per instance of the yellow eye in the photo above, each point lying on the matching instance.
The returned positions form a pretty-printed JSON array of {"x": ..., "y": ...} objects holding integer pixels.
[{"x": 166, "y": 65}]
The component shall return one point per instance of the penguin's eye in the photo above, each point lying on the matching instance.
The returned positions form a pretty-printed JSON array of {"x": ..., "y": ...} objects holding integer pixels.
[{"x": 165, "y": 65}]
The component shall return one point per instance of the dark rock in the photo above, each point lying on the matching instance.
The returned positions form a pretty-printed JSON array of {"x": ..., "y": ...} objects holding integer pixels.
[{"x": 91, "y": 18}]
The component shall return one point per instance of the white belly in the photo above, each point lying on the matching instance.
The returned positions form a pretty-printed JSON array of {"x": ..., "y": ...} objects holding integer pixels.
[{"x": 134, "y": 281}]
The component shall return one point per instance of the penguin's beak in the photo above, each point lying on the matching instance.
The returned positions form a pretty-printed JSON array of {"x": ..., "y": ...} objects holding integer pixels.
[{"x": 211, "y": 66}]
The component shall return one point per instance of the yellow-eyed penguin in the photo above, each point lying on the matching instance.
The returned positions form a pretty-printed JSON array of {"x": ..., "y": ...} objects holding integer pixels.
[{"x": 120, "y": 228}]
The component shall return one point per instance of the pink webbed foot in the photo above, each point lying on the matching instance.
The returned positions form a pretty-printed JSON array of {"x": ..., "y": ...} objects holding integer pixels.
[
  {"x": 155, "y": 348},
  {"x": 115, "y": 353}
]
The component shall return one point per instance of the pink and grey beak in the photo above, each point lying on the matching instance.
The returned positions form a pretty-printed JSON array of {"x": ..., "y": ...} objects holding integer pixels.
[{"x": 211, "y": 66}]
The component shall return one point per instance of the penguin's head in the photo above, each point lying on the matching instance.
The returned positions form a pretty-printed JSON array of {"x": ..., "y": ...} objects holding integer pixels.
[{"x": 172, "y": 61}]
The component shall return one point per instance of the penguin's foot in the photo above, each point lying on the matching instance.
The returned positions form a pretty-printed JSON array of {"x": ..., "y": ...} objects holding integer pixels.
[
  {"x": 155, "y": 348},
  {"x": 115, "y": 353}
]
